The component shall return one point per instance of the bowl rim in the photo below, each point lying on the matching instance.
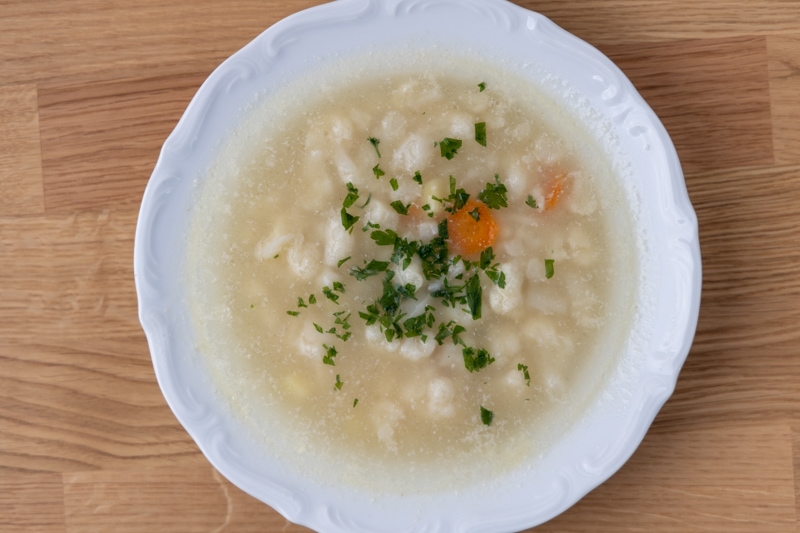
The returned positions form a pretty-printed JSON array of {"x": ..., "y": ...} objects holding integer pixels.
[{"x": 272, "y": 57}]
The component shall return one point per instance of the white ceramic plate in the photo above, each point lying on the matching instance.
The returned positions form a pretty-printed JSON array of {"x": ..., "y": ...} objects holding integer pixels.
[{"x": 574, "y": 73}]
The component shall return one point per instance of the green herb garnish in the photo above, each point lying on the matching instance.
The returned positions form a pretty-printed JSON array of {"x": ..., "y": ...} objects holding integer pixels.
[
  {"x": 486, "y": 416},
  {"x": 474, "y": 296},
  {"x": 494, "y": 194},
  {"x": 549, "y": 268},
  {"x": 375, "y": 142},
  {"x": 330, "y": 295},
  {"x": 355, "y": 402},
  {"x": 531, "y": 201},
  {"x": 339, "y": 383},
  {"x": 417, "y": 177},
  {"x": 352, "y": 196},
  {"x": 475, "y": 214},
  {"x": 476, "y": 359},
  {"x": 480, "y": 133},
  {"x": 482, "y": 86},
  {"x": 394, "y": 184},
  {"x": 293, "y": 313},
  {"x": 377, "y": 171},
  {"x": 343, "y": 261},
  {"x": 300, "y": 302},
  {"x": 312, "y": 299},
  {"x": 370, "y": 269},
  {"x": 330, "y": 355},
  {"x": 524, "y": 369},
  {"x": 449, "y": 147},
  {"x": 398, "y": 206},
  {"x": 348, "y": 220}
]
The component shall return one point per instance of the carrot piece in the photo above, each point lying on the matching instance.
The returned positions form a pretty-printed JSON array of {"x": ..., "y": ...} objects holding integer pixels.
[
  {"x": 555, "y": 190},
  {"x": 467, "y": 235}
]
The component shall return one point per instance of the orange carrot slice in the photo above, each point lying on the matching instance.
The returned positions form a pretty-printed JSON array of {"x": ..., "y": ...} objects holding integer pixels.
[
  {"x": 471, "y": 229},
  {"x": 555, "y": 190}
]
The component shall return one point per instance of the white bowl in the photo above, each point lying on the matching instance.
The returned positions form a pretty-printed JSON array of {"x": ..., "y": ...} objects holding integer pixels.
[{"x": 600, "y": 97}]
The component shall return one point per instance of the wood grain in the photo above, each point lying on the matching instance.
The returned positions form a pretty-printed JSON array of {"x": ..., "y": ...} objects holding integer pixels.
[
  {"x": 718, "y": 483},
  {"x": 90, "y": 89},
  {"x": 718, "y": 117},
  {"x": 784, "y": 74},
  {"x": 21, "y": 187}
]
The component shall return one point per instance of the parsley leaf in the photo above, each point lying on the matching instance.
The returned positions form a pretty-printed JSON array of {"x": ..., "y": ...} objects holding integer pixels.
[
  {"x": 398, "y": 206},
  {"x": 531, "y": 201},
  {"x": 352, "y": 196},
  {"x": 417, "y": 177},
  {"x": 343, "y": 261},
  {"x": 476, "y": 359},
  {"x": 482, "y": 86},
  {"x": 525, "y": 374},
  {"x": 449, "y": 147},
  {"x": 486, "y": 416},
  {"x": 293, "y": 313},
  {"x": 330, "y": 355},
  {"x": 339, "y": 383},
  {"x": 348, "y": 220},
  {"x": 475, "y": 214},
  {"x": 549, "y": 268},
  {"x": 480, "y": 133},
  {"x": 377, "y": 171},
  {"x": 473, "y": 294},
  {"x": 494, "y": 194},
  {"x": 330, "y": 295},
  {"x": 394, "y": 184},
  {"x": 375, "y": 142},
  {"x": 370, "y": 269}
]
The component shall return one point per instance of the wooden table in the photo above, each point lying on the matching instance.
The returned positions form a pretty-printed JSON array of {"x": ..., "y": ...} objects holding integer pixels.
[{"x": 90, "y": 89}]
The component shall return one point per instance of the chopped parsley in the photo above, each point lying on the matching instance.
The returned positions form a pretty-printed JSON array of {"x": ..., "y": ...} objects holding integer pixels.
[
  {"x": 369, "y": 269},
  {"x": 330, "y": 355},
  {"x": 398, "y": 206},
  {"x": 474, "y": 296},
  {"x": 480, "y": 133},
  {"x": 301, "y": 303},
  {"x": 531, "y": 201},
  {"x": 293, "y": 313},
  {"x": 339, "y": 383},
  {"x": 482, "y": 86},
  {"x": 348, "y": 220},
  {"x": 355, "y": 402},
  {"x": 312, "y": 299},
  {"x": 330, "y": 295},
  {"x": 494, "y": 194},
  {"x": 393, "y": 183},
  {"x": 457, "y": 199},
  {"x": 449, "y": 147},
  {"x": 343, "y": 261},
  {"x": 449, "y": 330},
  {"x": 352, "y": 196},
  {"x": 525, "y": 374},
  {"x": 318, "y": 328},
  {"x": 377, "y": 171},
  {"x": 549, "y": 268},
  {"x": 486, "y": 416},
  {"x": 475, "y": 214},
  {"x": 417, "y": 177},
  {"x": 476, "y": 359},
  {"x": 375, "y": 142}
]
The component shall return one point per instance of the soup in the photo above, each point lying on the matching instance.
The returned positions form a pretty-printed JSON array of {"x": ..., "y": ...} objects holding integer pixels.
[{"x": 423, "y": 271}]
